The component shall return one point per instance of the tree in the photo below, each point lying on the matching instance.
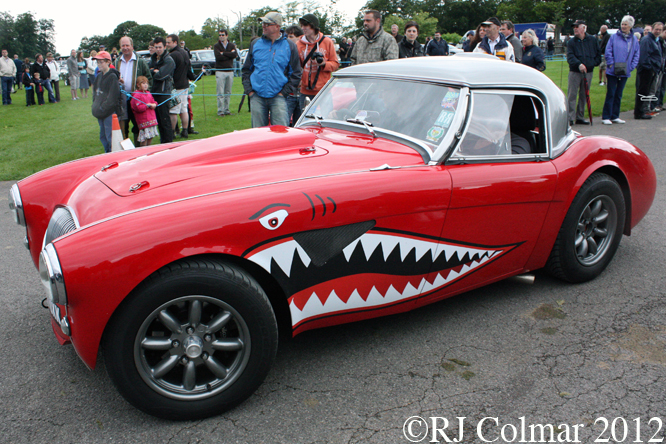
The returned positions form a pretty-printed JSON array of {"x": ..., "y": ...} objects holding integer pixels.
[
  {"x": 26, "y": 26},
  {"x": 427, "y": 24},
  {"x": 45, "y": 36},
  {"x": 142, "y": 35},
  {"x": 7, "y": 35},
  {"x": 193, "y": 40},
  {"x": 250, "y": 25},
  {"x": 123, "y": 29},
  {"x": 210, "y": 28},
  {"x": 89, "y": 43}
]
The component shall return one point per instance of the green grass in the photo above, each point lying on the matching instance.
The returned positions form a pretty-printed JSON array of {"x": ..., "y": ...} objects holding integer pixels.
[{"x": 35, "y": 138}]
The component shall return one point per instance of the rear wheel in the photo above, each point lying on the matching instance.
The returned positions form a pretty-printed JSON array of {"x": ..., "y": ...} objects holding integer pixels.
[
  {"x": 193, "y": 341},
  {"x": 591, "y": 231}
]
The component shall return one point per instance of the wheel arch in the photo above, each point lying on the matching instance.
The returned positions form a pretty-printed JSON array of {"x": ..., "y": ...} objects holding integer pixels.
[
  {"x": 617, "y": 174},
  {"x": 275, "y": 293}
]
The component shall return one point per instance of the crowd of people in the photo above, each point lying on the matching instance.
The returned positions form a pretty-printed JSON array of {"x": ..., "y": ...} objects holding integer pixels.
[{"x": 286, "y": 66}]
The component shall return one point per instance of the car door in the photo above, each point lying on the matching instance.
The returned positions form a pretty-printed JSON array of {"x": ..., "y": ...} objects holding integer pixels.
[{"x": 500, "y": 198}]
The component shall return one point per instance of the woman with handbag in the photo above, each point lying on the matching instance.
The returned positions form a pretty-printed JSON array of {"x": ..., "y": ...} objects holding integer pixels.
[{"x": 622, "y": 53}]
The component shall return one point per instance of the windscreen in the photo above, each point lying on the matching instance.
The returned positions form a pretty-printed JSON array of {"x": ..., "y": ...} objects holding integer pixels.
[{"x": 420, "y": 110}]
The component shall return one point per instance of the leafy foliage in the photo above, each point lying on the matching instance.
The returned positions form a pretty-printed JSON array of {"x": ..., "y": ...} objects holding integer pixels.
[
  {"x": 25, "y": 35},
  {"x": 141, "y": 35}
]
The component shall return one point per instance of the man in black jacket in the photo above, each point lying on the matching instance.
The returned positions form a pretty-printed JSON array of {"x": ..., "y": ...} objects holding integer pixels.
[
  {"x": 162, "y": 68},
  {"x": 225, "y": 54},
  {"x": 582, "y": 55},
  {"x": 182, "y": 72},
  {"x": 44, "y": 75}
]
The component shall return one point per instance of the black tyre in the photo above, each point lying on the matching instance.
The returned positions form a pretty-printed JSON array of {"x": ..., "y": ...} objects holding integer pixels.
[
  {"x": 195, "y": 340},
  {"x": 591, "y": 231}
]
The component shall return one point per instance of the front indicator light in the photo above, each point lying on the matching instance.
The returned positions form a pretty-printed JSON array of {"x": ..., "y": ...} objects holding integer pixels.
[
  {"x": 16, "y": 205},
  {"x": 51, "y": 275}
]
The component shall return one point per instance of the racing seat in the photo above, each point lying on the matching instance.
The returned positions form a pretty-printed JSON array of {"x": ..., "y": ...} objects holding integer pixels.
[{"x": 523, "y": 120}]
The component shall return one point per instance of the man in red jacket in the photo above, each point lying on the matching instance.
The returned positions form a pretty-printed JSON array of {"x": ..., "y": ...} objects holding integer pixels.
[{"x": 318, "y": 58}]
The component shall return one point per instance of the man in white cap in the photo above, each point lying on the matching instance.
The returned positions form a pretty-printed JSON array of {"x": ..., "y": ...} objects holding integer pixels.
[
  {"x": 271, "y": 72},
  {"x": 494, "y": 43}
]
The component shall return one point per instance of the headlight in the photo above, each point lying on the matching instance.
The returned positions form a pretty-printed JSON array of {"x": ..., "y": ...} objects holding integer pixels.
[
  {"x": 51, "y": 275},
  {"x": 62, "y": 222},
  {"x": 16, "y": 205}
]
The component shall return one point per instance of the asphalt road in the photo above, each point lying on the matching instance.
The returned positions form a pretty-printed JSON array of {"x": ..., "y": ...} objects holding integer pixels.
[{"x": 554, "y": 353}]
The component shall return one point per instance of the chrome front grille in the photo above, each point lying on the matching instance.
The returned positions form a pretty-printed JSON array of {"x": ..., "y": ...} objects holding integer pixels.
[{"x": 62, "y": 222}]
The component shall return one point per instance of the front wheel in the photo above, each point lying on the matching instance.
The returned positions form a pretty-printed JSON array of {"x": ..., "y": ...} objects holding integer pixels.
[
  {"x": 195, "y": 340},
  {"x": 591, "y": 231}
]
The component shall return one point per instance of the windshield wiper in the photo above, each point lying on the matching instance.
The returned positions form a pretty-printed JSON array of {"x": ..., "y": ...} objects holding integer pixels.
[
  {"x": 314, "y": 116},
  {"x": 367, "y": 125}
]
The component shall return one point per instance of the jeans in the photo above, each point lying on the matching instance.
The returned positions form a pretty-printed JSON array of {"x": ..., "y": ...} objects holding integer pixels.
[
  {"x": 47, "y": 85},
  {"x": 224, "y": 80},
  {"x": 29, "y": 96},
  {"x": 277, "y": 106},
  {"x": 164, "y": 122},
  {"x": 614, "y": 88},
  {"x": 577, "y": 88},
  {"x": 7, "y": 84},
  {"x": 55, "y": 85},
  {"x": 105, "y": 131},
  {"x": 302, "y": 98},
  {"x": 293, "y": 109}
]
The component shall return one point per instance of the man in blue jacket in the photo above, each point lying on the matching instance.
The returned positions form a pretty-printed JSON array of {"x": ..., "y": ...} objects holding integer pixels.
[
  {"x": 271, "y": 72},
  {"x": 649, "y": 65}
]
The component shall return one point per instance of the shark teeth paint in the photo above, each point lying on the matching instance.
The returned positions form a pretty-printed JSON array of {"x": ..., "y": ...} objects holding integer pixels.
[{"x": 377, "y": 269}]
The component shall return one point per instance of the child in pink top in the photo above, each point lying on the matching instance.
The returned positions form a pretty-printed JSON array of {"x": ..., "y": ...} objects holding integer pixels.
[{"x": 144, "y": 106}]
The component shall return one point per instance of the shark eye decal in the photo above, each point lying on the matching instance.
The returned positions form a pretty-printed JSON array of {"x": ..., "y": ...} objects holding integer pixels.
[{"x": 273, "y": 220}]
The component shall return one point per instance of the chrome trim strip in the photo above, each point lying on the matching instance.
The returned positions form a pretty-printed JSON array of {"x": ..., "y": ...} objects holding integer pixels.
[{"x": 454, "y": 133}]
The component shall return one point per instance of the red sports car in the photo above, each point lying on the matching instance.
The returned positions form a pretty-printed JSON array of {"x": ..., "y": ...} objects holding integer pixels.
[{"x": 404, "y": 183}]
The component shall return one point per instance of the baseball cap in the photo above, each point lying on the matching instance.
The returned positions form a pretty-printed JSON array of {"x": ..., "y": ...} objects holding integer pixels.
[
  {"x": 102, "y": 55},
  {"x": 492, "y": 21},
  {"x": 310, "y": 19},
  {"x": 578, "y": 22},
  {"x": 272, "y": 18}
]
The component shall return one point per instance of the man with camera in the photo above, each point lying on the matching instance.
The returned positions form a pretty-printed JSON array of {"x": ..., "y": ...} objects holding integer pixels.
[{"x": 318, "y": 58}]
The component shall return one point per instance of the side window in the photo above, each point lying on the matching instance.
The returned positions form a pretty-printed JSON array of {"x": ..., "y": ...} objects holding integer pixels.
[
  {"x": 504, "y": 125},
  {"x": 488, "y": 131}
]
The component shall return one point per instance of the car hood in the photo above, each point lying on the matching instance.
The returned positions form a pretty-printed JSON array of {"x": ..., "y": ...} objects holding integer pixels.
[
  {"x": 216, "y": 157},
  {"x": 250, "y": 158}
]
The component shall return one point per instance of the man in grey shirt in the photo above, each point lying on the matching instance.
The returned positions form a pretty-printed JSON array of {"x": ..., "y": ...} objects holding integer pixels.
[
  {"x": 73, "y": 70},
  {"x": 508, "y": 30}
]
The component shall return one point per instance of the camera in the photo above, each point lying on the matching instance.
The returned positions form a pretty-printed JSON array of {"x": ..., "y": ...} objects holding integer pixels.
[{"x": 319, "y": 57}]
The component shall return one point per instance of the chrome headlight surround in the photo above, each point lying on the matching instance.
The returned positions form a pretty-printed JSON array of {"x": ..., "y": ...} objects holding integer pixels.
[
  {"x": 51, "y": 275},
  {"x": 16, "y": 205}
]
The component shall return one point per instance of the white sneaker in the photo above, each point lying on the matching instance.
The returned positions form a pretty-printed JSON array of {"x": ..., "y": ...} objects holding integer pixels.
[
  {"x": 601, "y": 84},
  {"x": 606, "y": 122},
  {"x": 618, "y": 121}
]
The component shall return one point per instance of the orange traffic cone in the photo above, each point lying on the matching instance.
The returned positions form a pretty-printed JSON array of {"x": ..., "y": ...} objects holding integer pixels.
[{"x": 116, "y": 135}]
